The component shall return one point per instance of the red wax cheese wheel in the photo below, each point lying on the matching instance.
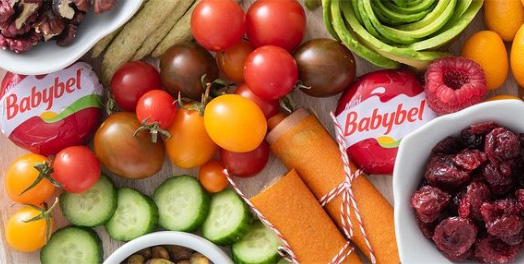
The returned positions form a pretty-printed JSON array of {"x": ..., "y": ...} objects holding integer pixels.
[
  {"x": 376, "y": 112},
  {"x": 47, "y": 113}
]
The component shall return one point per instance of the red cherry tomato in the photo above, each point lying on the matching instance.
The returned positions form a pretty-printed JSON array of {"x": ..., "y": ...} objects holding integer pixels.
[
  {"x": 156, "y": 106},
  {"x": 76, "y": 169},
  {"x": 281, "y": 23},
  {"x": 271, "y": 72},
  {"x": 245, "y": 164},
  {"x": 231, "y": 61},
  {"x": 218, "y": 24},
  {"x": 132, "y": 81},
  {"x": 268, "y": 107}
]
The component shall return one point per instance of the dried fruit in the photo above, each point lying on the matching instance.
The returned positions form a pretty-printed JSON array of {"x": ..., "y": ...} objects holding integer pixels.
[
  {"x": 492, "y": 250},
  {"x": 484, "y": 127},
  {"x": 470, "y": 159},
  {"x": 454, "y": 236},
  {"x": 429, "y": 202},
  {"x": 519, "y": 196},
  {"x": 441, "y": 171},
  {"x": 427, "y": 229},
  {"x": 472, "y": 140},
  {"x": 102, "y": 6},
  {"x": 469, "y": 206},
  {"x": 449, "y": 145},
  {"x": 453, "y": 84},
  {"x": 491, "y": 211},
  {"x": 501, "y": 145},
  {"x": 7, "y": 9},
  {"x": 498, "y": 177},
  {"x": 507, "y": 228}
]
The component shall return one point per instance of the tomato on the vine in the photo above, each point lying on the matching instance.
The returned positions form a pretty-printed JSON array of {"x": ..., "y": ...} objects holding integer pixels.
[
  {"x": 271, "y": 72},
  {"x": 231, "y": 61},
  {"x": 268, "y": 107},
  {"x": 212, "y": 176},
  {"x": 235, "y": 123},
  {"x": 218, "y": 24},
  {"x": 19, "y": 177},
  {"x": 133, "y": 80},
  {"x": 245, "y": 164},
  {"x": 281, "y": 23},
  {"x": 189, "y": 146},
  {"x": 156, "y": 110},
  {"x": 76, "y": 169}
]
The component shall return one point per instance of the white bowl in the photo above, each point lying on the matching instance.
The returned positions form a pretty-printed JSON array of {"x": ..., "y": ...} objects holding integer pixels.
[
  {"x": 48, "y": 57},
  {"x": 194, "y": 242},
  {"x": 413, "y": 152}
]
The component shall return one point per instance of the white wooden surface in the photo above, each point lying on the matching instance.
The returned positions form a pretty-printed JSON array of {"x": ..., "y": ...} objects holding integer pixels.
[{"x": 315, "y": 29}]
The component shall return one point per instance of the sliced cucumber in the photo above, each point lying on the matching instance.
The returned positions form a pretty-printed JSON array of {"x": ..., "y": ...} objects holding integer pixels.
[
  {"x": 73, "y": 245},
  {"x": 182, "y": 203},
  {"x": 135, "y": 215},
  {"x": 228, "y": 219},
  {"x": 92, "y": 208},
  {"x": 258, "y": 246}
]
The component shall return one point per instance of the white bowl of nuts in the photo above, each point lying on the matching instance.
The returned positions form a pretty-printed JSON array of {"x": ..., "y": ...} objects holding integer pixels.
[
  {"x": 169, "y": 247},
  {"x": 43, "y": 36}
]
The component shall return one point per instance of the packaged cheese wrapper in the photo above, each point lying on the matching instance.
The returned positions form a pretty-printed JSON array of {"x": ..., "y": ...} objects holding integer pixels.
[
  {"x": 293, "y": 210},
  {"x": 46, "y": 113}
]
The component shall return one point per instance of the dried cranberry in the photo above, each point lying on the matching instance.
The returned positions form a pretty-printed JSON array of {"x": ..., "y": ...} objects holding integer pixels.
[
  {"x": 472, "y": 140},
  {"x": 441, "y": 171},
  {"x": 454, "y": 237},
  {"x": 507, "y": 228},
  {"x": 429, "y": 202},
  {"x": 501, "y": 144},
  {"x": 484, "y": 127},
  {"x": 476, "y": 194},
  {"x": 427, "y": 229},
  {"x": 449, "y": 145},
  {"x": 470, "y": 159},
  {"x": 492, "y": 250},
  {"x": 498, "y": 177},
  {"x": 519, "y": 196},
  {"x": 491, "y": 211}
]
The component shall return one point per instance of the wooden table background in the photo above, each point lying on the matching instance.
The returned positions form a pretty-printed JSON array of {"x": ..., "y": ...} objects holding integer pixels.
[{"x": 9, "y": 152}]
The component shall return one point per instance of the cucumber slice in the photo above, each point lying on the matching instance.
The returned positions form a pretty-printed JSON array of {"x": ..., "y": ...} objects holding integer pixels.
[
  {"x": 92, "y": 208},
  {"x": 228, "y": 219},
  {"x": 135, "y": 215},
  {"x": 259, "y": 246},
  {"x": 73, "y": 245},
  {"x": 182, "y": 203}
]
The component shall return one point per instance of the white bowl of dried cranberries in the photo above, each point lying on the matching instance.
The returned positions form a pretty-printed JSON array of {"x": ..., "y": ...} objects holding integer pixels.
[{"x": 458, "y": 185}]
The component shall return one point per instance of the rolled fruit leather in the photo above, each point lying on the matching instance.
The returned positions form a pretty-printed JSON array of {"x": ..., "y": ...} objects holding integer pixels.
[
  {"x": 301, "y": 142},
  {"x": 295, "y": 212}
]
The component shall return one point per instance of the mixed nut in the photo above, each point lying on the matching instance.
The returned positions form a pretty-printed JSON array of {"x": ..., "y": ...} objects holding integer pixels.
[
  {"x": 23, "y": 23},
  {"x": 167, "y": 254}
]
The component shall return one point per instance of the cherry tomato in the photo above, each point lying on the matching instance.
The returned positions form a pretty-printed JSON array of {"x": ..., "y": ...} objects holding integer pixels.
[
  {"x": 281, "y": 23},
  {"x": 132, "y": 81},
  {"x": 231, "y": 61},
  {"x": 189, "y": 146},
  {"x": 26, "y": 236},
  {"x": 182, "y": 68},
  {"x": 245, "y": 164},
  {"x": 156, "y": 110},
  {"x": 76, "y": 169},
  {"x": 218, "y": 24},
  {"x": 268, "y": 107},
  {"x": 21, "y": 174},
  {"x": 212, "y": 176},
  {"x": 235, "y": 123},
  {"x": 126, "y": 155},
  {"x": 270, "y": 72}
]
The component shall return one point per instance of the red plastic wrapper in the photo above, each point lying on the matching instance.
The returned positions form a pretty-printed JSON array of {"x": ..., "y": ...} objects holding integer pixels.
[
  {"x": 47, "y": 113},
  {"x": 376, "y": 112}
]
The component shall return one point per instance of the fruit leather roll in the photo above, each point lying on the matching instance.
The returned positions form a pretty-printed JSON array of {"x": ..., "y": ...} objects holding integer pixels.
[
  {"x": 301, "y": 142},
  {"x": 295, "y": 212}
]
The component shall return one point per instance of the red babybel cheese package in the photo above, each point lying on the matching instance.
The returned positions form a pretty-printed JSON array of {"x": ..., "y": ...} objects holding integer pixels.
[
  {"x": 47, "y": 113},
  {"x": 376, "y": 112}
]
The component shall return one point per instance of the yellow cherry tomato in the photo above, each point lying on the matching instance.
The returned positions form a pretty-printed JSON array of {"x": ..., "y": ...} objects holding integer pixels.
[
  {"x": 189, "y": 146},
  {"x": 26, "y": 236},
  {"x": 21, "y": 174},
  {"x": 502, "y": 97},
  {"x": 235, "y": 123}
]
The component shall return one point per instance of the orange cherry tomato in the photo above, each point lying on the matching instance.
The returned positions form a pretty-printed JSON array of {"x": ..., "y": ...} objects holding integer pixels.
[
  {"x": 189, "y": 146},
  {"x": 27, "y": 236},
  {"x": 502, "y": 97},
  {"x": 21, "y": 174},
  {"x": 235, "y": 123},
  {"x": 212, "y": 176},
  {"x": 231, "y": 61}
]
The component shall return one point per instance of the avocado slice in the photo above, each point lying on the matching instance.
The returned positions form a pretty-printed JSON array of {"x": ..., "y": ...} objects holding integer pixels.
[
  {"x": 348, "y": 37},
  {"x": 416, "y": 7},
  {"x": 326, "y": 16},
  {"x": 390, "y": 17},
  {"x": 430, "y": 18},
  {"x": 418, "y": 60},
  {"x": 451, "y": 30}
]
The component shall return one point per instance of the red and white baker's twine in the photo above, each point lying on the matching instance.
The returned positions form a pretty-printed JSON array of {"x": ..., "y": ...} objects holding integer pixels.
[{"x": 348, "y": 201}]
